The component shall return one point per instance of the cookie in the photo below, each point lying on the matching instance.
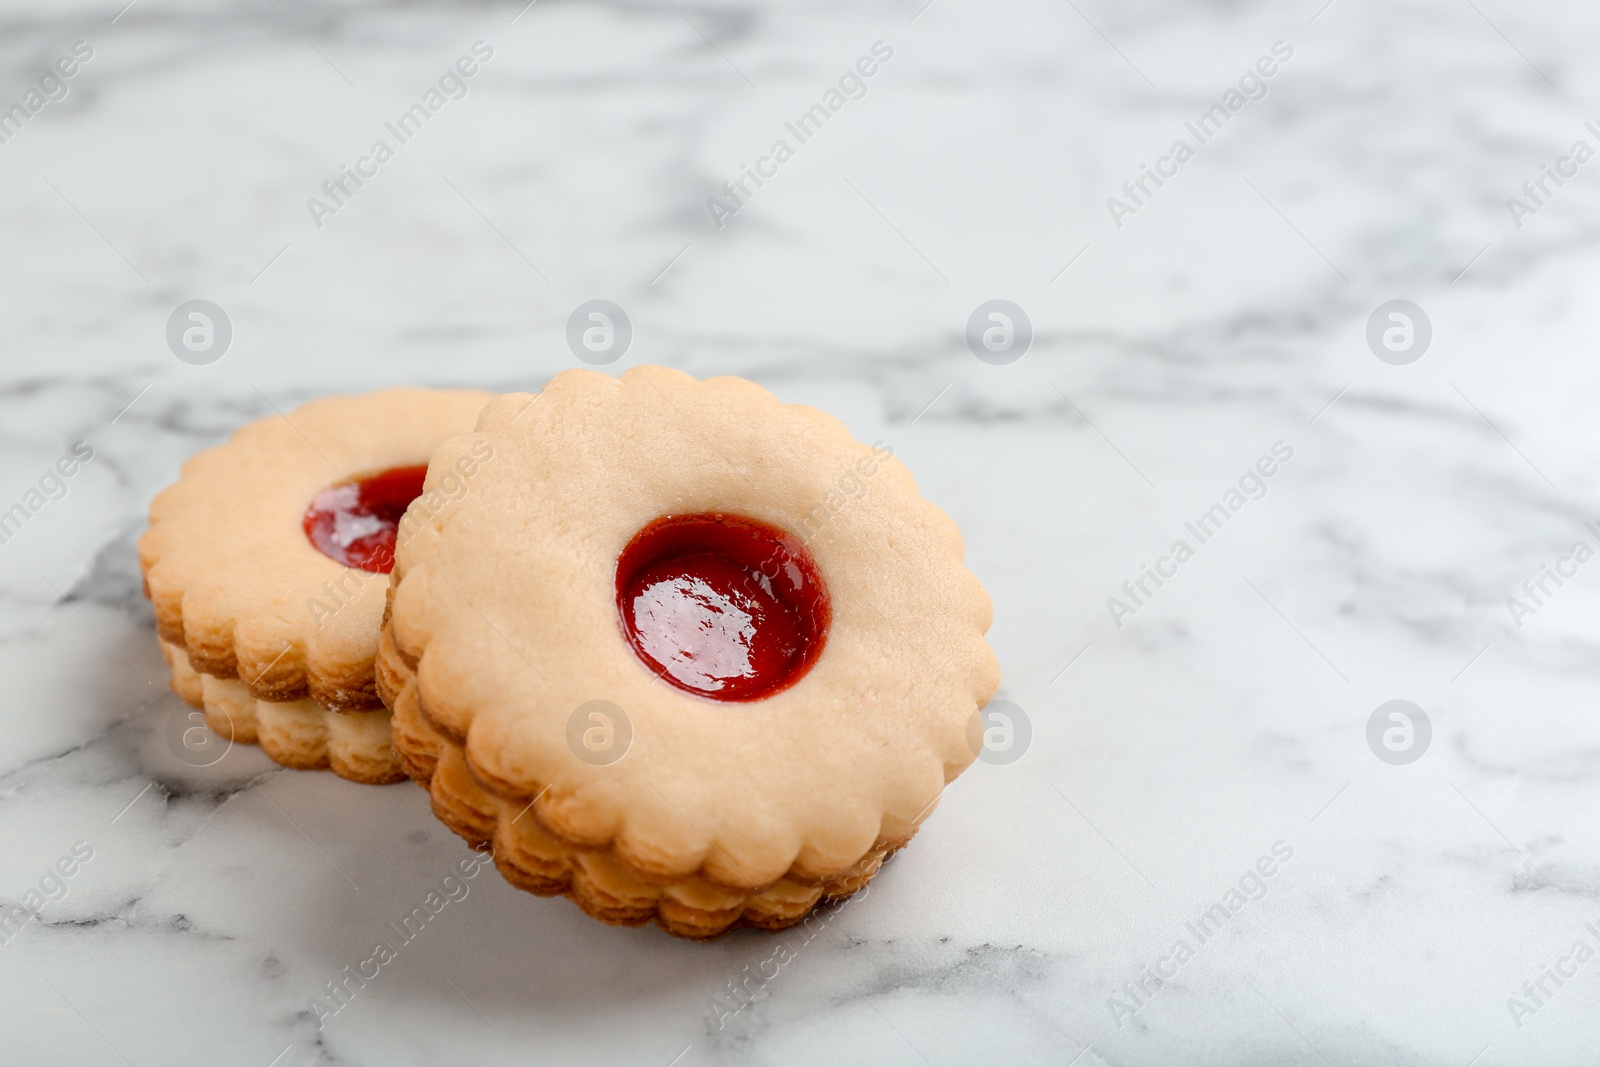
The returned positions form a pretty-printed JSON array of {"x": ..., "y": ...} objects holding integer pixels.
[
  {"x": 266, "y": 564},
  {"x": 685, "y": 654}
]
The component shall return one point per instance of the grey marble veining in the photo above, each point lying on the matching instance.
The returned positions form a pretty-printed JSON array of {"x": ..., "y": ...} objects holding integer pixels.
[{"x": 1223, "y": 724}]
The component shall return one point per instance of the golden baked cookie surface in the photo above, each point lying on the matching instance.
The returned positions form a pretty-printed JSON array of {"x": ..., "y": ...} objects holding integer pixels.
[
  {"x": 246, "y": 605},
  {"x": 504, "y": 623}
]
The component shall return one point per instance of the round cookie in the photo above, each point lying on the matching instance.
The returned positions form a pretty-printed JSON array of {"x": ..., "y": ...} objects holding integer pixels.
[
  {"x": 266, "y": 565},
  {"x": 620, "y": 722}
]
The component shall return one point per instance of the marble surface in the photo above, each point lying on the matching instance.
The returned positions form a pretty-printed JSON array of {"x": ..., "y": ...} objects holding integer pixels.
[{"x": 1227, "y": 717}]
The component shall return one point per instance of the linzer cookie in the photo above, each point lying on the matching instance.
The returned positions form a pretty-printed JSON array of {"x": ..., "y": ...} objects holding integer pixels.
[
  {"x": 685, "y": 654},
  {"x": 266, "y": 563}
]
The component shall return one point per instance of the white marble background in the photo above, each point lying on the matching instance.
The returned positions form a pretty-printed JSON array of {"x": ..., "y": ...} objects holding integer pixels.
[{"x": 1228, "y": 715}]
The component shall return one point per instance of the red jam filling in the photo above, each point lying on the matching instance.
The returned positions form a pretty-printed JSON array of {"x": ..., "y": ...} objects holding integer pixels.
[
  {"x": 721, "y": 606},
  {"x": 354, "y": 523}
]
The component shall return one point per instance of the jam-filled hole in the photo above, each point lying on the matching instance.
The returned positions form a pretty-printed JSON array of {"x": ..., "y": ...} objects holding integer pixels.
[
  {"x": 355, "y": 522},
  {"x": 722, "y": 606}
]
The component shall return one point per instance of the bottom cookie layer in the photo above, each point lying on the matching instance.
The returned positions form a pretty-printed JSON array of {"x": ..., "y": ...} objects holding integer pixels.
[
  {"x": 303, "y": 734},
  {"x": 532, "y": 858}
]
